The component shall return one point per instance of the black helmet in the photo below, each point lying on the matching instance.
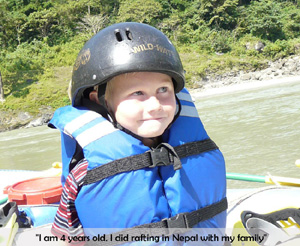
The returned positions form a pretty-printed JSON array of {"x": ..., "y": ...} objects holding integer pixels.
[{"x": 122, "y": 48}]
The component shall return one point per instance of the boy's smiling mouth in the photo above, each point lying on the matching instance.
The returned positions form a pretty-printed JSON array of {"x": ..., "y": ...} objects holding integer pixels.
[{"x": 154, "y": 119}]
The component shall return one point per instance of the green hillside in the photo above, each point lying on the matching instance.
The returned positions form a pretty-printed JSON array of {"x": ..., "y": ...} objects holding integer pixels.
[{"x": 40, "y": 39}]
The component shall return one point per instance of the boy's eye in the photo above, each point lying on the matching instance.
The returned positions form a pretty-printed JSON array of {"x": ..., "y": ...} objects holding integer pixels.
[
  {"x": 138, "y": 93},
  {"x": 162, "y": 89}
]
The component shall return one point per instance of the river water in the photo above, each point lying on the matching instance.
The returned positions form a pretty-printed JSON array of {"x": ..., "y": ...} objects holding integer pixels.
[{"x": 258, "y": 132}]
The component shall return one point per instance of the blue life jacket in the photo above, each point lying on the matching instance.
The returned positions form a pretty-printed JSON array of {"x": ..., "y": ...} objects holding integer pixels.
[{"x": 147, "y": 195}]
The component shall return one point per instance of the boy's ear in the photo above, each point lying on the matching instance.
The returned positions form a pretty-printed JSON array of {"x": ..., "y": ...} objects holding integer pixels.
[{"x": 94, "y": 96}]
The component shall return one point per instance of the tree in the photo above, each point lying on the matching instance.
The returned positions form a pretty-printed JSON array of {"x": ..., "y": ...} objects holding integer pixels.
[
  {"x": 171, "y": 25},
  {"x": 220, "y": 14},
  {"x": 19, "y": 20},
  {"x": 264, "y": 19},
  {"x": 291, "y": 21},
  {"x": 7, "y": 38},
  {"x": 93, "y": 23},
  {"x": 143, "y": 11},
  {"x": 42, "y": 21},
  {"x": 1, "y": 89}
]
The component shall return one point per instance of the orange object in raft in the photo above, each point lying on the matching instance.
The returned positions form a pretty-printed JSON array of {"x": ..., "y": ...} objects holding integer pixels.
[{"x": 44, "y": 190}]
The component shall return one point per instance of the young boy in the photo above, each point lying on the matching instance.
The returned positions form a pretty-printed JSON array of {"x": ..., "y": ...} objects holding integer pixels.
[{"x": 134, "y": 150}]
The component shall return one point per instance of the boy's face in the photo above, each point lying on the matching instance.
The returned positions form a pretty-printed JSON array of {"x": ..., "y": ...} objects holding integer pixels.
[{"x": 143, "y": 102}]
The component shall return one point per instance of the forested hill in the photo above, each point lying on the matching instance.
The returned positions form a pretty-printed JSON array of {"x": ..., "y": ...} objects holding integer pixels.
[{"x": 40, "y": 39}]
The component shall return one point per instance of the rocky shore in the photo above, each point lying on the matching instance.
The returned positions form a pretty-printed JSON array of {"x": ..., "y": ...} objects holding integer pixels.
[
  {"x": 11, "y": 121},
  {"x": 281, "y": 71}
]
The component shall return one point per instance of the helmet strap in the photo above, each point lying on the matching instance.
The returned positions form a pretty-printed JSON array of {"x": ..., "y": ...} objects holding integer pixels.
[{"x": 93, "y": 106}]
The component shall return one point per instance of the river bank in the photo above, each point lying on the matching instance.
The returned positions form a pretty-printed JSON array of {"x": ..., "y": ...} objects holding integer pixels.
[
  {"x": 214, "y": 89},
  {"x": 281, "y": 71}
]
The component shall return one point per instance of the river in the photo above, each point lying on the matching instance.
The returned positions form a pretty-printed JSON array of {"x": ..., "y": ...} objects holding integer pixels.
[{"x": 258, "y": 132}]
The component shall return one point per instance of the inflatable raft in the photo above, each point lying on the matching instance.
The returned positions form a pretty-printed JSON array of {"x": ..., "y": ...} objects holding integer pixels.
[
  {"x": 28, "y": 202},
  {"x": 273, "y": 210}
]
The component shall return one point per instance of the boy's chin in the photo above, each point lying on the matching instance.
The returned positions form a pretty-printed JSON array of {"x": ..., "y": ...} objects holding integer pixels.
[
  {"x": 151, "y": 134},
  {"x": 153, "y": 129}
]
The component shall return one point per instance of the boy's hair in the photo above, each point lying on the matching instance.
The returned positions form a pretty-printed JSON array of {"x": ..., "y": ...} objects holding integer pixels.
[{"x": 109, "y": 86}]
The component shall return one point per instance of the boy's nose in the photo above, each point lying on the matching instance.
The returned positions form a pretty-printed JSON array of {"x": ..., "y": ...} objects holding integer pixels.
[{"x": 153, "y": 104}]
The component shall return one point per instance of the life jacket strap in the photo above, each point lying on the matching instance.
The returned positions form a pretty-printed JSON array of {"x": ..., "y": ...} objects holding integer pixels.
[
  {"x": 189, "y": 219},
  {"x": 163, "y": 155},
  {"x": 180, "y": 223}
]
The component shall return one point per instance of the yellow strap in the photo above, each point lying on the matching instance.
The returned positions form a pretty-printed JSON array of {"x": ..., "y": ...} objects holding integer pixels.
[{"x": 8, "y": 232}]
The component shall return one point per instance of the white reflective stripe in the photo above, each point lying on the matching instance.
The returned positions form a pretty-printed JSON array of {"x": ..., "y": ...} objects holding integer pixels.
[
  {"x": 80, "y": 122},
  {"x": 98, "y": 131},
  {"x": 185, "y": 97},
  {"x": 189, "y": 111}
]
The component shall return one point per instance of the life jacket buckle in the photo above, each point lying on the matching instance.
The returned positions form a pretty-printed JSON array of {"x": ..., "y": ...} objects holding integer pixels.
[
  {"x": 177, "y": 223},
  {"x": 160, "y": 157},
  {"x": 164, "y": 155}
]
